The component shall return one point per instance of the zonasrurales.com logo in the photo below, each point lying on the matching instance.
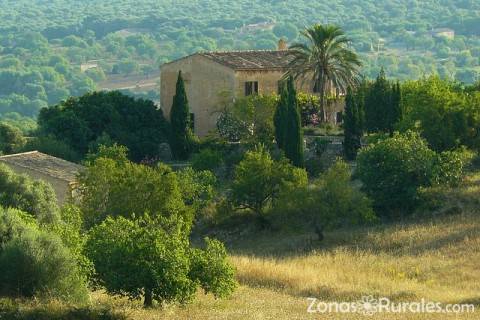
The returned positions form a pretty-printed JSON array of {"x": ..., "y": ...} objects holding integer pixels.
[{"x": 370, "y": 305}]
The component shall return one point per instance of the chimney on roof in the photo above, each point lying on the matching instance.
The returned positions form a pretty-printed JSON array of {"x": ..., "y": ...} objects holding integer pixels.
[{"x": 282, "y": 45}]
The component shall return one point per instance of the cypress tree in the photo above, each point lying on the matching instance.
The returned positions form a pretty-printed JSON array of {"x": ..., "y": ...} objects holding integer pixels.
[
  {"x": 396, "y": 109},
  {"x": 352, "y": 127},
  {"x": 294, "y": 136},
  {"x": 280, "y": 118},
  {"x": 379, "y": 105},
  {"x": 360, "y": 97},
  {"x": 180, "y": 122}
]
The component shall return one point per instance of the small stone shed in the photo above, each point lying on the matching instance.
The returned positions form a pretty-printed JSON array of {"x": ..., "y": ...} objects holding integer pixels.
[{"x": 61, "y": 174}]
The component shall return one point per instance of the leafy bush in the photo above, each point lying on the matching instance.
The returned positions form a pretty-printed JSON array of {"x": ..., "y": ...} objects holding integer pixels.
[
  {"x": 446, "y": 116},
  {"x": 198, "y": 187},
  {"x": 119, "y": 187},
  {"x": 70, "y": 231},
  {"x": 32, "y": 196},
  {"x": 259, "y": 180},
  {"x": 392, "y": 171},
  {"x": 35, "y": 262},
  {"x": 151, "y": 258},
  {"x": 332, "y": 201},
  {"x": 207, "y": 159},
  {"x": 212, "y": 270}
]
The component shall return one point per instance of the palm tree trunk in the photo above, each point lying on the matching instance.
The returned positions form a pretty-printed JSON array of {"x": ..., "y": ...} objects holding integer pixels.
[{"x": 323, "y": 104}]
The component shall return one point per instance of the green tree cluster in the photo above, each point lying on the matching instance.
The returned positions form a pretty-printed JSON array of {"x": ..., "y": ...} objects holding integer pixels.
[
  {"x": 80, "y": 122},
  {"x": 140, "y": 224}
]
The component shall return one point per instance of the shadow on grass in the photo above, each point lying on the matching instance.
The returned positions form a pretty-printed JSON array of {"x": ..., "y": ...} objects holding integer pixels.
[{"x": 265, "y": 243}]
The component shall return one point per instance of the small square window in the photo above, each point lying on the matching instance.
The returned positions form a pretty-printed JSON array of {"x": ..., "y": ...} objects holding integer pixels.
[{"x": 251, "y": 88}]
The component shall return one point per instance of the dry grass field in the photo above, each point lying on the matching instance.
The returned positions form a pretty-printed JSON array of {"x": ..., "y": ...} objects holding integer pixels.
[{"x": 437, "y": 259}]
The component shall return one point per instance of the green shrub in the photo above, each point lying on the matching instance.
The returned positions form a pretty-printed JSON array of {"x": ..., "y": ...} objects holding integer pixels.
[
  {"x": 198, "y": 187},
  {"x": 70, "y": 230},
  {"x": 207, "y": 159},
  {"x": 32, "y": 196},
  {"x": 259, "y": 180},
  {"x": 330, "y": 202},
  {"x": 35, "y": 263},
  {"x": 113, "y": 187},
  {"x": 392, "y": 171},
  {"x": 314, "y": 167},
  {"x": 212, "y": 270}
]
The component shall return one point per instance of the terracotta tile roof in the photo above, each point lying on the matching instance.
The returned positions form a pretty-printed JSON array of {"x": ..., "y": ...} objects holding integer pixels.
[
  {"x": 251, "y": 60},
  {"x": 45, "y": 164}
]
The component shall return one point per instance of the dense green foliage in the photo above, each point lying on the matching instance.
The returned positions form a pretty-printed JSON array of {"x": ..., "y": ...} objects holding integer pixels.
[
  {"x": 35, "y": 197},
  {"x": 207, "y": 159},
  {"x": 118, "y": 187},
  {"x": 212, "y": 270},
  {"x": 446, "y": 115},
  {"x": 259, "y": 180},
  {"x": 392, "y": 171},
  {"x": 181, "y": 135},
  {"x": 383, "y": 105},
  {"x": 331, "y": 201},
  {"x": 42, "y": 48},
  {"x": 83, "y": 122},
  {"x": 35, "y": 262},
  {"x": 142, "y": 258}
]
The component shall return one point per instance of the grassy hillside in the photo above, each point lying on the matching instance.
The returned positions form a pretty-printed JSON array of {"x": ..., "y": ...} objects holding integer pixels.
[{"x": 437, "y": 259}]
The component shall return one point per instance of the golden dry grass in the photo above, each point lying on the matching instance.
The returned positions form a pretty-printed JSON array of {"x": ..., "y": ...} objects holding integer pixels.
[{"x": 437, "y": 260}]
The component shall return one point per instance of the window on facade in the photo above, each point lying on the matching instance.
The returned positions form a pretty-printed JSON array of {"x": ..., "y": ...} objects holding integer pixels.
[
  {"x": 192, "y": 121},
  {"x": 251, "y": 88}
]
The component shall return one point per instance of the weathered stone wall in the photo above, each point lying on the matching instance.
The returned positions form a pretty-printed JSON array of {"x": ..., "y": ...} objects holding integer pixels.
[{"x": 208, "y": 85}]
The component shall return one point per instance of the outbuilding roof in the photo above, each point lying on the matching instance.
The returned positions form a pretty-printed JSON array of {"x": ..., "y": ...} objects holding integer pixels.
[{"x": 45, "y": 164}]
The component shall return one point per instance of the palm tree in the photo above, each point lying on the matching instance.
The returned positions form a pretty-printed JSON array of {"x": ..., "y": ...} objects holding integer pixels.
[{"x": 326, "y": 60}]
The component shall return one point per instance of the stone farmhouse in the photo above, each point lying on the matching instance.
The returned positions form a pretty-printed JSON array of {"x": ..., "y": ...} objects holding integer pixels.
[
  {"x": 61, "y": 174},
  {"x": 213, "y": 79}
]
